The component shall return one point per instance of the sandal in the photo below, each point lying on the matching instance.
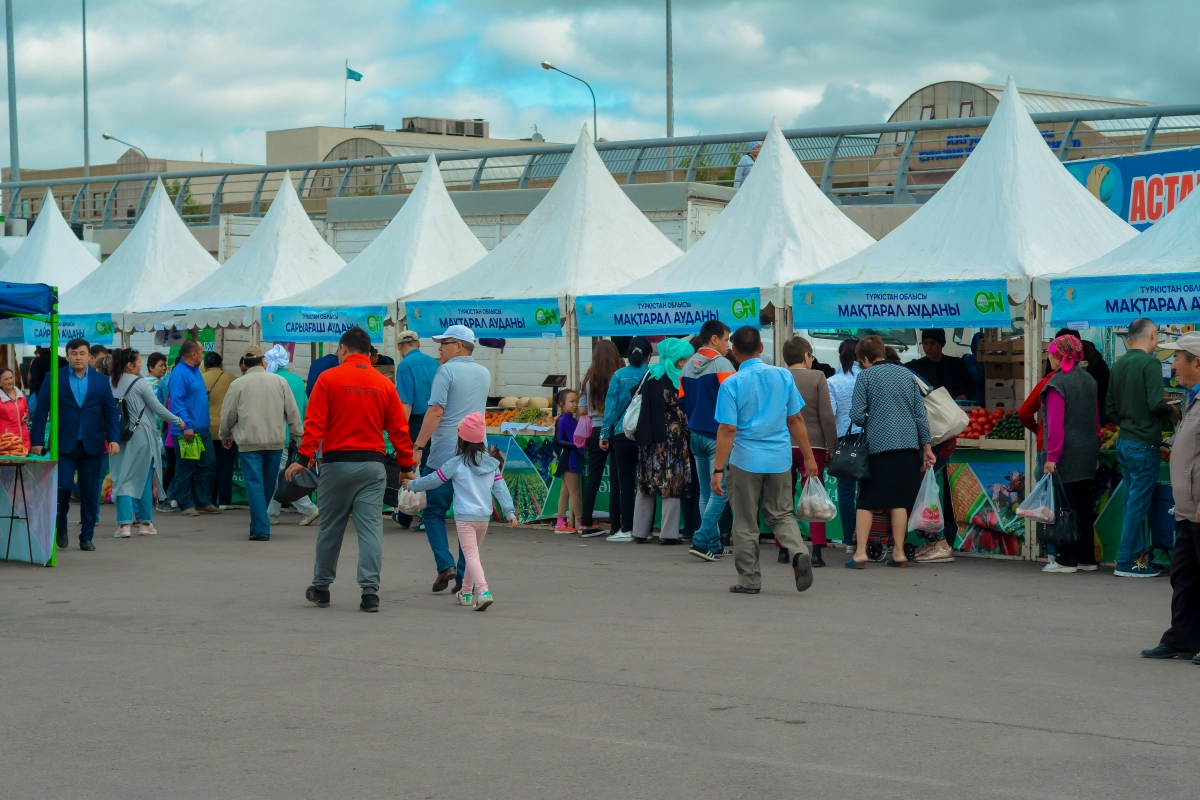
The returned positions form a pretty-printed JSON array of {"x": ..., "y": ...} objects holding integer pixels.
[
  {"x": 854, "y": 563},
  {"x": 737, "y": 588},
  {"x": 891, "y": 562}
]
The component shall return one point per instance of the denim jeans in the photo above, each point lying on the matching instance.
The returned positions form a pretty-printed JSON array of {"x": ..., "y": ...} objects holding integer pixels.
[
  {"x": 145, "y": 503},
  {"x": 1139, "y": 473},
  {"x": 437, "y": 503},
  {"x": 260, "y": 469},
  {"x": 847, "y": 491},
  {"x": 708, "y": 538},
  {"x": 194, "y": 479}
]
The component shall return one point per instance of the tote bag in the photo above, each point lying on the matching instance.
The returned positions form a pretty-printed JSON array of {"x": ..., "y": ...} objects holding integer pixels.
[
  {"x": 946, "y": 419},
  {"x": 629, "y": 422}
]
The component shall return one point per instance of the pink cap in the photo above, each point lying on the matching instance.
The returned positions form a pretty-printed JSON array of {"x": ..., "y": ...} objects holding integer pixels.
[{"x": 472, "y": 428}]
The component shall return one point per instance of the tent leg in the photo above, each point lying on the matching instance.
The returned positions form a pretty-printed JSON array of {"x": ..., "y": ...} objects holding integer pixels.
[
  {"x": 572, "y": 348},
  {"x": 783, "y": 331},
  {"x": 1033, "y": 358}
]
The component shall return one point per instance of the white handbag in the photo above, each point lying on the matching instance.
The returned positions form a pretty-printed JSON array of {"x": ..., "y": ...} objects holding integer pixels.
[
  {"x": 946, "y": 419},
  {"x": 629, "y": 422}
]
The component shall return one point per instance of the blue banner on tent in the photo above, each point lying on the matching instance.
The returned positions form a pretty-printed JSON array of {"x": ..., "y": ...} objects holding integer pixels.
[
  {"x": 975, "y": 304},
  {"x": 664, "y": 314},
  {"x": 1120, "y": 299},
  {"x": 535, "y": 318},
  {"x": 305, "y": 324},
  {"x": 96, "y": 328}
]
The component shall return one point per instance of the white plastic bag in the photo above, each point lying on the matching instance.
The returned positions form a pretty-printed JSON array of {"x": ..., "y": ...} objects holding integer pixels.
[
  {"x": 927, "y": 511},
  {"x": 1038, "y": 505},
  {"x": 410, "y": 503},
  {"x": 815, "y": 504}
]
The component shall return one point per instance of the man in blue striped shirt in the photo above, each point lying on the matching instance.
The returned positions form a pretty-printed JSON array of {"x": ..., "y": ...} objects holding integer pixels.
[{"x": 759, "y": 414}]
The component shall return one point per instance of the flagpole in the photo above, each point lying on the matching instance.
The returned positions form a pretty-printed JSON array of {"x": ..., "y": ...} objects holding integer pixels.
[{"x": 345, "y": 89}]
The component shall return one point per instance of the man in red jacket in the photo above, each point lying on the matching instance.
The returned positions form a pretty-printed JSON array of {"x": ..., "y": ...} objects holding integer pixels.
[{"x": 350, "y": 407}]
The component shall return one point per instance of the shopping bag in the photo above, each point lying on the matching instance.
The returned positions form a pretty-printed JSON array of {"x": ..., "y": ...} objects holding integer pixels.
[
  {"x": 191, "y": 450},
  {"x": 583, "y": 432},
  {"x": 1038, "y": 505},
  {"x": 410, "y": 502},
  {"x": 849, "y": 460},
  {"x": 927, "y": 511},
  {"x": 629, "y": 422},
  {"x": 1064, "y": 531},
  {"x": 946, "y": 420},
  {"x": 815, "y": 503}
]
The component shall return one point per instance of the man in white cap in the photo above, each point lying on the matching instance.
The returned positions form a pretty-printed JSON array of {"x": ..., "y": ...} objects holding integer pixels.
[
  {"x": 745, "y": 164},
  {"x": 1182, "y": 639},
  {"x": 459, "y": 388}
]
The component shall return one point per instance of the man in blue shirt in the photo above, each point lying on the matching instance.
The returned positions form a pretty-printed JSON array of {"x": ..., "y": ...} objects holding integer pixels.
[
  {"x": 414, "y": 382},
  {"x": 194, "y": 479},
  {"x": 317, "y": 367},
  {"x": 87, "y": 419},
  {"x": 758, "y": 409}
]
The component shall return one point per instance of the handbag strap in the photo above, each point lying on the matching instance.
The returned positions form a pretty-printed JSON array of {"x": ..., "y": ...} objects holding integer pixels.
[{"x": 1061, "y": 501}]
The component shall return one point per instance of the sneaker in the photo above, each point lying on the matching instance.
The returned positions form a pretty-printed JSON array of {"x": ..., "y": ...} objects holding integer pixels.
[
  {"x": 369, "y": 603},
  {"x": 1166, "y": 651},
  {"x": 209, "y": 509},
  {"x": 1054, "y": 566},
  {"x": 1135, "y": 571},
  {"x": 146, "y": 529},
  {"x": 420, "y": 526},
  {"x": 165, "y": 507},
  {"x": 1087, "y": 567},
  {"x": 563, "y": 528},
  {"x": 485, "y": 600},
  {"x": 311, "y": 518},
  {"x": 704, "y": 555},
  {"x": 620, "y": 536},
  {"x": 1051, "y": 565},
  {"x": 938, "y": 552},
  {"x": 254, "y": 537},
  {"x": 591, "y": 533},
  {"x": 190, "y": 512},
  {"x": 123, "y": 532},
  {"x": 464, "y": 598},
  {"x": 275, "y": 519},
  {"x": 318, "y": 596},
  {"x": 726, "y": 551}
]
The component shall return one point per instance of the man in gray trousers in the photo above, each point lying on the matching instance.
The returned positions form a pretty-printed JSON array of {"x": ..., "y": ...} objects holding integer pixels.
[{"x": 350, "y": 407}]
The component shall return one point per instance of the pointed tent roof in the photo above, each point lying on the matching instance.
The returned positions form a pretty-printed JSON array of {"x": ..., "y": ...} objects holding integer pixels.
[
  {"x": 284, "y": 254},
  {"x": 1010, "y": 212},
  {"x": 427, "y": 241},
  {"x": 585, "y": 237},
  {"x": 778, "y": 228},
  {"x": 158, "y": 258},
  {"x": 51, "y": 254}
]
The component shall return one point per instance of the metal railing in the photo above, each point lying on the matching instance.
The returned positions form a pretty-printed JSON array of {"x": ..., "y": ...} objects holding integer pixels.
[{"x": 900, "y": 162}]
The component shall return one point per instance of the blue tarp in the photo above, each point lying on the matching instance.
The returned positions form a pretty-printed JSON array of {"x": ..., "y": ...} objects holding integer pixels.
[{"x": 25, "y": 298}]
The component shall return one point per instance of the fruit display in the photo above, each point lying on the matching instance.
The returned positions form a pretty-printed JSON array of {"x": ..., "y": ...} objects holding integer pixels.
[
  {"x": 527, "y": 416},
  {"x": 1108, "y": 436},
  {"x": 980, "y": 423},
  {"x": 1007, "y": 427},
  {"x": 11, "y": 445}
]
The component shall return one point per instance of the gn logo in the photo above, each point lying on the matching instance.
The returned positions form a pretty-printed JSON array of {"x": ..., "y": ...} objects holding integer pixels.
[
  {"x": 374, "y": 323},
  {"x": 104, "y": 328},
  {"x": 989, "y": 302},
  {"x": 546, "y": 316},
  {"x": 745, "y": 308}
]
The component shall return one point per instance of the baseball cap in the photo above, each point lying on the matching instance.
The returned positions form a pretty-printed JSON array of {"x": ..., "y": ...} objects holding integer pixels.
[
  {"x": 1189, "y": 342},
  {"x": 404, "y": 337},
  {"x": 460, "y": 332},
  {"x": 252, "y": 351}
]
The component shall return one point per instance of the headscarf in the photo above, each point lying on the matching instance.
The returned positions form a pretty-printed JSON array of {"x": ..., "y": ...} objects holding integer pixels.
[
  {"x": 1068, "y": 350},
  {"x": 276, "y": 358},
  {"x": 670, "y": 351}
]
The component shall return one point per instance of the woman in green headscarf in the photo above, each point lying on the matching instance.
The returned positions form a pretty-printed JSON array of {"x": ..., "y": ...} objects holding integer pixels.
[{"x": 664, "y": 463}]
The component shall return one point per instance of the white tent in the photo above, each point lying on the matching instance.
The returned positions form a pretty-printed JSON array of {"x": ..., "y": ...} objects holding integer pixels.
[
  {"x": 1011, "y": 212},
  {"x": 51, "y": 254},
  {"x": 778, "y": 228},
  {"x": 584, "y": 237},
  {"x": 427, "y": 241},
  {"x": 158, "y": 259},
  {"x": 285, "y": 254}
]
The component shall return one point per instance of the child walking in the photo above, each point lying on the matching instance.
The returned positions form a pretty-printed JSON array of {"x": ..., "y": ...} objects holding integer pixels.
[
  {"x": 569, "y": 462},
  {"x": 476, "y": 476}
]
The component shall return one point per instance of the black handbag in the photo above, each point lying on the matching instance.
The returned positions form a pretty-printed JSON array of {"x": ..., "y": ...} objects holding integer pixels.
[
  {"x": 301, "y": 485},
  {"x": 1065, "y": 529},
  {"x": 849, "y": 461}
]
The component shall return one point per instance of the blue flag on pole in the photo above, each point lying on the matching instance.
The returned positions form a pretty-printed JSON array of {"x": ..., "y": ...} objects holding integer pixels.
[{"x": 351, "y": 75}]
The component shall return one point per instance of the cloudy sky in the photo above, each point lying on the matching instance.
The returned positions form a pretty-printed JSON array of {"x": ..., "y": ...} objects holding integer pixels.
[{"x": 175, "y": 76}]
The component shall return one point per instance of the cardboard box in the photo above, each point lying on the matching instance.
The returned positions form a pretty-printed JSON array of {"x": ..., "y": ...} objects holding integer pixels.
[
  {"x": 1019, "y": 389},
  {"x": 993, "y": 370},
  {"x": 999, "y": 394},
  {"x": 998, "y": 383},
  {"x": 1007, "y": 405}
]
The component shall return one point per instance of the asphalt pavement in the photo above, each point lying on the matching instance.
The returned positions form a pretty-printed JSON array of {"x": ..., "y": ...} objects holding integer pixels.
[{"x": 189, "y": 665}]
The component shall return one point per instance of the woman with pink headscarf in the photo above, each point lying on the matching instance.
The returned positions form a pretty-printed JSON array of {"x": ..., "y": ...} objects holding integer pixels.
[{"x": 1072, "y": 447}]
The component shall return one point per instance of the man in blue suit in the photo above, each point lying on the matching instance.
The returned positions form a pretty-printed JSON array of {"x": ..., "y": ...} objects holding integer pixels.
[{"x": 87, "y": 418}]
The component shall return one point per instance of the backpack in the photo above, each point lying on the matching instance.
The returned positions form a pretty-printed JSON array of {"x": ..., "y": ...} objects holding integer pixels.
[{"x": 128, "y": 426}]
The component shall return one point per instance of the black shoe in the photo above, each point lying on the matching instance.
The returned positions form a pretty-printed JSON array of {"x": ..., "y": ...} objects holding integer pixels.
[
  {"x": 662, "y": 542},
  {"x": 817, "y": 561},
  {"x": 1166, "y": 651},
  {"x": 370, "y": 602},
  {"x": 254, "y": 537},
  {"x": 443, "y": 579},
  {"x": 802, "y": 567},
  {"x": 62, "y": 539},
  {"x": 783, "y": 556},
  {"x": 641, "y": 539},
  {"x": 319, "y": 596},
  {"x": 86, "y": 545}
]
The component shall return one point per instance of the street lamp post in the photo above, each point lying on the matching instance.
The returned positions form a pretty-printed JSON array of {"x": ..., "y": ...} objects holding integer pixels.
[
  {"x": 127, "y": 144},
  {"x": 595, "y": 133},
  {"x": 87, "y": 152}
]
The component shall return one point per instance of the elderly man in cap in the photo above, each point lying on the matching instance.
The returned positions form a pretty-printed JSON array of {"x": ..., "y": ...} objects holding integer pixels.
[
  {"x": 414, "y": 382},
  {"x": 1182, "y": 639},
  {"x": 459, "y": 388},
  {"x": 745, "y": 164},
  {"x": 259, "y": 413}
]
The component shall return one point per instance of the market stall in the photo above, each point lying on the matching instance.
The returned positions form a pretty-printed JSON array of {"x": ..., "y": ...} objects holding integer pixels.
[
  {"x": 29, "y": 500},
  {"x": 965, "y": 259}
]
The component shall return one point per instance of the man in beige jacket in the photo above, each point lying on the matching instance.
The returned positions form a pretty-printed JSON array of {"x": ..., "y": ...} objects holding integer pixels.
[{"x": 258, "y": 413}]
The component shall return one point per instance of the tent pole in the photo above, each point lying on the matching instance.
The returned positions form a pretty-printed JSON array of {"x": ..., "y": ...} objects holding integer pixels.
[
  {"x": 54, "y": 378},
  {"x": 783, "y": 331},
  {"x": 1033, "y": 352},
  {"x": 572, "y": 345}
]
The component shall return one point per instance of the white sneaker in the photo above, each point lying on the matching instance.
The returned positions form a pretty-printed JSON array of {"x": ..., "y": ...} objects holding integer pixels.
[
  {"x": 1087, "y": 567},
  {"x": 620, "y": 536},
  {"x": 1051, "y": 565},
  {"x": 311, "y": 518},
  {"x": 1054, "y": 566},
  {"x": 147, "y": 529},
  {"x": 123, "y": 532}
]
